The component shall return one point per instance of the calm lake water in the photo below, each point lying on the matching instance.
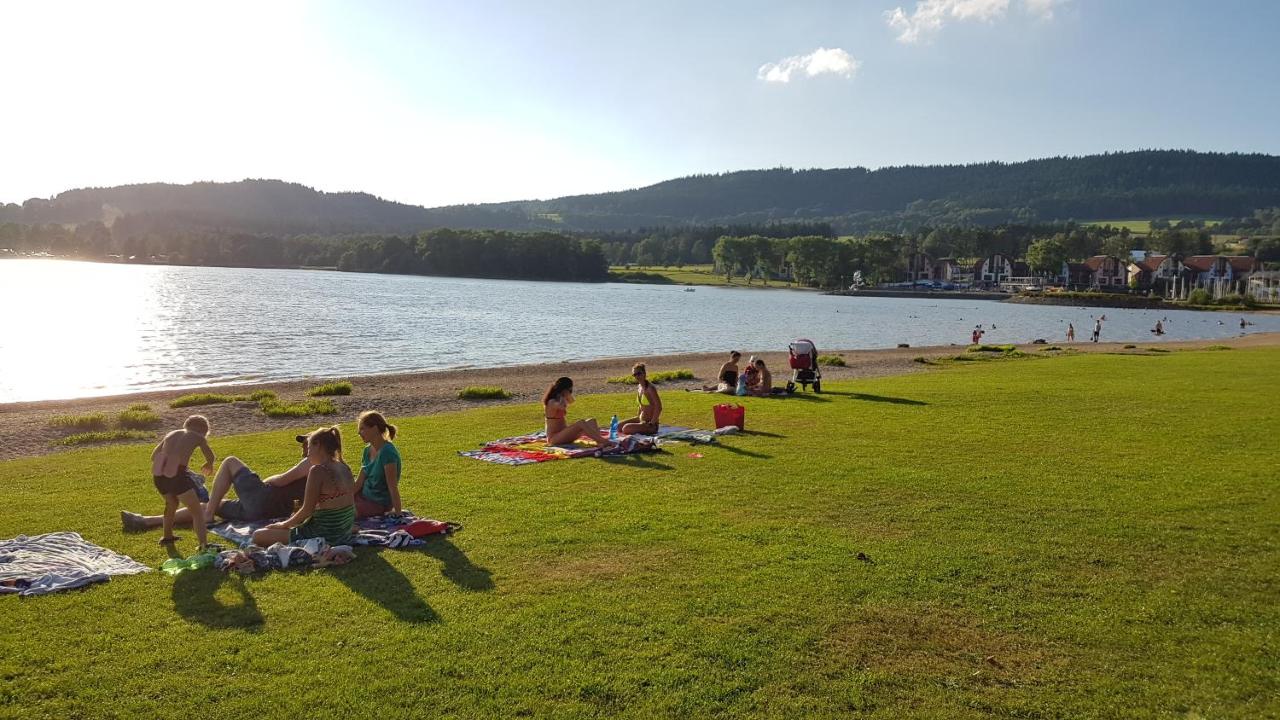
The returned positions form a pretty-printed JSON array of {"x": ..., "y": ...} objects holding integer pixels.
[{"x": 70, "y": 329}]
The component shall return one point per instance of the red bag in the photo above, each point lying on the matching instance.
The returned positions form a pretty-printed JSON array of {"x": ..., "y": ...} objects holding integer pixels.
[
  {"x": 727, "y": 415},
  {"x": 422, "y": 528}
]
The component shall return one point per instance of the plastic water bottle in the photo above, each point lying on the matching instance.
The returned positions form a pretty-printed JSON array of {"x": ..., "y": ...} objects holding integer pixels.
[{"x": 613, "y": 428}]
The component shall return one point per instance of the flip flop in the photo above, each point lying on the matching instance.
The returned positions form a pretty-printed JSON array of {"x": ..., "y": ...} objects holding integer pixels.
[
  {"x": 169, "y": 540},
  {"x": 132, "y": 522}
]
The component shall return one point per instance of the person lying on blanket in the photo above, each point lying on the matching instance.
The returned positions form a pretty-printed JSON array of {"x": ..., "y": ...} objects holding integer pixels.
[
  {"x": 328, "y": 507},
  {"x": 555, "y": 406},
  {"x": 646, "y": 420},
  {"x": 257, "y": 499}
]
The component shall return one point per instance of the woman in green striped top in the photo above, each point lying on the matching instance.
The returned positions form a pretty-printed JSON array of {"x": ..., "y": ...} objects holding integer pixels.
[{"x": 328, "y": 506}]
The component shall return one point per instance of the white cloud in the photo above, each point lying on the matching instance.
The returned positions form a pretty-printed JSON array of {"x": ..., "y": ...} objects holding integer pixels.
[
  {"x": 931, "y": 15},
  {"x": 818, "y": 62}
]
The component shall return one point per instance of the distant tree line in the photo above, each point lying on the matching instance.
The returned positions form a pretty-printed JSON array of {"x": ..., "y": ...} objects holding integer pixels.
[
  {"x": 461, "y": 253},
  {"x": 824, "y": 261}
]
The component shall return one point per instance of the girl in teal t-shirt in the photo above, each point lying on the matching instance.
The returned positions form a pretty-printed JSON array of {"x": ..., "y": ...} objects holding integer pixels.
[{"x": 378, "y": 487}]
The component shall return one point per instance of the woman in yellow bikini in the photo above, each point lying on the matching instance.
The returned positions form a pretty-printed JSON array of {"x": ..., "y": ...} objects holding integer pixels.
[{"x": 646, "y": 420}]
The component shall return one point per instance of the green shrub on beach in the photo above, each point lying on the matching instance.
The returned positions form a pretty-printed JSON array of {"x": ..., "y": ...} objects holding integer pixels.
[
  {"x": 991, "y": 348},
  {"x": 1158, "y": 350},
  {"x": 328, "y": 389},
  {"x": 256, "y": 396},
  {"x": 276, "y": 409},
  {"x": 1199, "y": 296},
  {"x": 138, "y": 417},
  {"x": 89, "y": 438},
  {"x": 88, "y": 421},
  {"x": 139, "y": 406},
  {"x": 654, "y": 377},
  {"x": 1218, "y": 347},
  {"x": 196, "y": 399},
  {"x": 831, "y": 360},
  {"x": 477, "y": 392}
]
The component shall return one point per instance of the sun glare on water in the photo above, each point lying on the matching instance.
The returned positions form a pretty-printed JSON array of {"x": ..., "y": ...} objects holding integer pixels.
[{"x": 73, "y": 329}]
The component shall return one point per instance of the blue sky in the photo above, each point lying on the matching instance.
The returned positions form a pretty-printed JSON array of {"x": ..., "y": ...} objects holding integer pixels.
[{"x": 437, "y": 103}]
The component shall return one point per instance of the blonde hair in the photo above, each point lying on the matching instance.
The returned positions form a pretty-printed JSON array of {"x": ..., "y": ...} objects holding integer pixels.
[
  {"x": 373, "y": 418},
  {"x": 197, "y": 424},
  {"x": 329, "y": 438}
]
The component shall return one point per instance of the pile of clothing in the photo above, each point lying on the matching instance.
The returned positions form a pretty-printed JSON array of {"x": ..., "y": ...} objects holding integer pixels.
[{"x": 314, "y": 553}]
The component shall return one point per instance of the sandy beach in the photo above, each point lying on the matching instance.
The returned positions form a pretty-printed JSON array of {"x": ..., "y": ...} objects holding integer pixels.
[{"x": 24, "y": 430}]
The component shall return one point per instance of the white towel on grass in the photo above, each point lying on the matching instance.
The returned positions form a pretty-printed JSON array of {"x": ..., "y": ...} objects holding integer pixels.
[{"x": 58, "y": 561}]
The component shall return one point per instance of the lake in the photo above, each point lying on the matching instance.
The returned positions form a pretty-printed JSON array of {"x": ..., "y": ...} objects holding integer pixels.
[{"x": 73, "y": 329}]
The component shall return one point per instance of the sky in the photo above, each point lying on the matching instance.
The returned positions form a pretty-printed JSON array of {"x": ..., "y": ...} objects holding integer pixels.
[{"x": 437, "y": 103}]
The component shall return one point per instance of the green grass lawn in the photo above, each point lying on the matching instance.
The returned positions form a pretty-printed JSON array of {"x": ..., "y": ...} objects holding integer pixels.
[
  {"x": 1143, "y": 226},
  {"x": 696, "y": 275},
  {"x": 1080, "y": 536}
]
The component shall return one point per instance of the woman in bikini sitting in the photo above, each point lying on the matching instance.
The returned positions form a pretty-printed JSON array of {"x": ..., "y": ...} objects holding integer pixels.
[
  {"x": 328, "y": 506},
  {"x": 727, "y": 377},
  {"x": 646, "y": 421},
  {"x": 555, "y": 405}
]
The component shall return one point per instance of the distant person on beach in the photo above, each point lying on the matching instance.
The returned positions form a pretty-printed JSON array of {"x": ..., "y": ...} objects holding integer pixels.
[
  {"x": 727, "y": 376},
  {"x": 748, "y": 379},
  {"x": 257, "y": 499},
  {"x": 328, "y": 506},
  {"x": 646, "y": 420},
  {"x": 1071, "y": 332},
  {"x": 169, "y": 472},
  {"x": 1097, "y": 329},
  {"x": 555, "y": 407},
  {"x": 1159, "y": 328},
  {"x": 378, "y": 487},
  {"x": 764, "y": 382}
]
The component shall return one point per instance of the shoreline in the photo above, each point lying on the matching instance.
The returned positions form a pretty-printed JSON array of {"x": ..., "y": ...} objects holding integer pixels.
[{"x": 24, "y": 430}]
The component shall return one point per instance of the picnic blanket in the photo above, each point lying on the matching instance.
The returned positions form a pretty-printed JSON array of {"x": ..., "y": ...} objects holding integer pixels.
[
  {"x": 43, "y": 564},
  {"x": 533, "y": 448},
  {"x": 379, "y": 531}
]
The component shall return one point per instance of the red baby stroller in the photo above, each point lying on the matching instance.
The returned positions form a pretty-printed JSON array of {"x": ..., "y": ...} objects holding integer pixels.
[{"x": 804, "y": 366}]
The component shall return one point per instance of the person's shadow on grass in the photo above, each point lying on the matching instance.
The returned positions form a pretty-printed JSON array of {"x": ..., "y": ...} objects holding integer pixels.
[
  {"x": 194, "y": 599},
  {"x": 637, "y": 460},
  {"x": 457, "y": 566},
  {"x": 371, "y": 576}
]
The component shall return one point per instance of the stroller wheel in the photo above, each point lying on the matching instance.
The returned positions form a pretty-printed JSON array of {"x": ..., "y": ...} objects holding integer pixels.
[
  {"x": 817, "y": 386},
  {"x": 791, "y": 387}
]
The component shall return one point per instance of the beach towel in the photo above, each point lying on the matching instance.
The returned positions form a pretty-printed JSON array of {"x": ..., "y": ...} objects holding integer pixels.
[
  {"x": 48, "y": 563},
  {"x": 533, "y": 448},
  {"x": 377, "y": 531},
  {"x": 676, "y": 433}
]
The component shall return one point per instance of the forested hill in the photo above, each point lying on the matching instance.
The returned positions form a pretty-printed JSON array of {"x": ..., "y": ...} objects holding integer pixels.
[
  {"x": 1134, "y": 184},
  {"x": 1163, "y": 183}
]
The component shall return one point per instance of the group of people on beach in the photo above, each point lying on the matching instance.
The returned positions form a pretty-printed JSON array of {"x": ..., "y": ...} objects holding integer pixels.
[
  {"x": 318, "y": 497},
  {"x": 754, "y": 379},
  {"x": 560, "y": 431}
]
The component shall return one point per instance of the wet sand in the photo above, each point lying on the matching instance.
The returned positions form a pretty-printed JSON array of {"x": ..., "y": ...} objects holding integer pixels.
[{"x": 24, "y": 430}]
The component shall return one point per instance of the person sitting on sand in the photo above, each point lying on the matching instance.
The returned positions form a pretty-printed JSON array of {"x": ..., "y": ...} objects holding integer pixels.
[
  {"x": 555, "y": 406},
  {"x": 169, "y": 472},
  {"x": 328, "y": 506},
  {"x": 378, "y": 487},
  {"x": 646, "y": 420},
  {"x": 727, "y": 376},
  {"x": 257, "y": 499}
]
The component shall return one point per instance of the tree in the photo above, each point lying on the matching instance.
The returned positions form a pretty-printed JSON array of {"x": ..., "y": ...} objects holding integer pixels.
[{"x": 1046, "y": 256}]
